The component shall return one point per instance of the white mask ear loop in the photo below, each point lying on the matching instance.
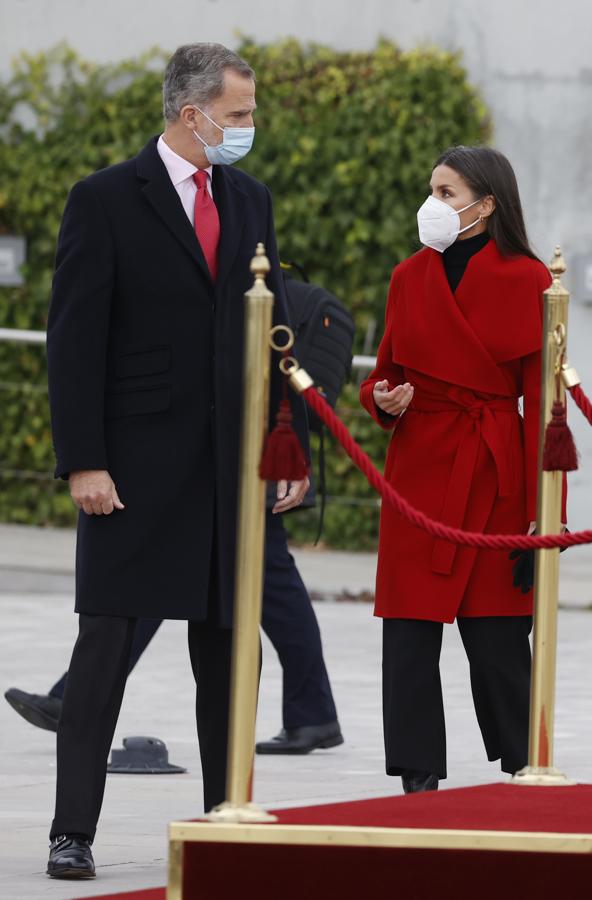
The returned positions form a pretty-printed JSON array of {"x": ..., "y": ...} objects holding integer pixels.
[
  {"x": 480, "y": 219},
  {"x": 215, "y": 124},
  {"x": 467, "y": 207}
]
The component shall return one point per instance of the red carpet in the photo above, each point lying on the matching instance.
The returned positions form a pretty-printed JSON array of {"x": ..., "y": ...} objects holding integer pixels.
[
  {"x": 150, "y": 894},
  {"x": 490, "y": 807},
  {"x": 224, "y": 871}
]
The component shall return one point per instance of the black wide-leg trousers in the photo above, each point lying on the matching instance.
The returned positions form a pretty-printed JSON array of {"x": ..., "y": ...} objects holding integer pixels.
[
  {"x": 91, "y": 705},
  {"x": 498, "y": 651}
]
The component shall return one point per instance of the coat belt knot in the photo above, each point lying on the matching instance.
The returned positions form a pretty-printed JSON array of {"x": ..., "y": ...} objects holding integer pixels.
[{"x": 482, "y": 425}]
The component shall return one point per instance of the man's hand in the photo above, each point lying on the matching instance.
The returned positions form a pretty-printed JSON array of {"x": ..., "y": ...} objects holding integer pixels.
[
  {"x": 532, "y": 528},
  {"x": 94, "y": 492},
  {"x": 288, "y": 499},
  {"x": 392, "y": 402}
]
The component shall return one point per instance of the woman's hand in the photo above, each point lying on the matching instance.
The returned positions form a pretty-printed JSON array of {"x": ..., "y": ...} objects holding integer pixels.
[{"x": 392, "y": 402}]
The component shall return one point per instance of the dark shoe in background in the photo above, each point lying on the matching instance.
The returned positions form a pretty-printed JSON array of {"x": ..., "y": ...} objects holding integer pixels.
[
  {"x": 38, "y": 709},
  {"x": 417, "y": 782},
  {"x": 303, "y": 740},
  {"x": 70, "y": 856}
]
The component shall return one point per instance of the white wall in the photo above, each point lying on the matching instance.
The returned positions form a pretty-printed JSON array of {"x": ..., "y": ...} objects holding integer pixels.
[{"x": 532, "y": 61}]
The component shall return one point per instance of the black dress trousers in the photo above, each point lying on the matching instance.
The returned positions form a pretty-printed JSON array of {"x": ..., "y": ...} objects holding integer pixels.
[
  {"x": 143, "y": 633},
  {"x": 498, "y": 651},
  {"x": 91, "y": 705}
]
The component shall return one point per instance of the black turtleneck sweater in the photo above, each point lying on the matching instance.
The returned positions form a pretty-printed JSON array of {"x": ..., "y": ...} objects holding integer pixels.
[{"x": 456, "y": 257}]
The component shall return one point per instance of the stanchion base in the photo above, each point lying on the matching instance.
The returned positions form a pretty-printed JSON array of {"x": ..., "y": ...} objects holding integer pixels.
[
  {"x": 541, "y": 776},
  {"x": 227, "y": 813}
]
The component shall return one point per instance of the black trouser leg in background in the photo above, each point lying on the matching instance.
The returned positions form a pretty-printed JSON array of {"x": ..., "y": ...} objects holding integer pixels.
[
  {"x": 413, "y": 709},
  {"x": 92, "y": 700},
  {"x": 289, "y": 622},
  {"x": 498, "y": 650},
  {"x": 143, "y": 633}
]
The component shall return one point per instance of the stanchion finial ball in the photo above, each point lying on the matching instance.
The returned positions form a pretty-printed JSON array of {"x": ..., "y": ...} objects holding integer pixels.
[
  {"x": 557, "y": 265},
  {"x": 260, "y": 263}
]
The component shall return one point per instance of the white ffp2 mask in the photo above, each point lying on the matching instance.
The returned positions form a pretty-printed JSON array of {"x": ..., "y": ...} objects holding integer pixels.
[{"x": 439, "y": 224}]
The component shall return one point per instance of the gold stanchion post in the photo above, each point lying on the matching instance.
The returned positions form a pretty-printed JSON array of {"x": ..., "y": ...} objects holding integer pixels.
[
  {"x": 249, "y": 557},
  {"x": 540, "y": 769}
]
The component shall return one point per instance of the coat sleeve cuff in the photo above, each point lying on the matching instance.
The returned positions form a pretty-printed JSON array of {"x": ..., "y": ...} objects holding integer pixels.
[{"x": 63, "y": 469}]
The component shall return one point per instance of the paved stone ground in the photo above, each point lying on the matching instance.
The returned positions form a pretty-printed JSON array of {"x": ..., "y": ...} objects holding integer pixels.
[{"x": 37, "y": 634}]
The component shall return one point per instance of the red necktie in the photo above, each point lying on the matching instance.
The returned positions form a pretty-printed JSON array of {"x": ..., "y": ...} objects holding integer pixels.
[{"x": 207, "y": 222}]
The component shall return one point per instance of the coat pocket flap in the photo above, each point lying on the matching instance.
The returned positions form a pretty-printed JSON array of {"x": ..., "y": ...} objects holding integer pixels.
[
  {"x": 137, "y": 402},
  {"x": 143, "y": 362}
]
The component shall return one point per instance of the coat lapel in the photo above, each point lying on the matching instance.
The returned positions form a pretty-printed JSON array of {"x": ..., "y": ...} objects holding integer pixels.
[
  {"x": 500, "y": 297},
  {"x": 231, "y": 202},
  {"x": 162, "y": 196},
  {"x": 431, "y": 334}
]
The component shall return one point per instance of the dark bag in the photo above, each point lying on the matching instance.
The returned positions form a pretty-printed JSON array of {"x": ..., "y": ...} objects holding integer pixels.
[
  {"x": 324, "y": 332},
  {"x": 324, "y": 336}
]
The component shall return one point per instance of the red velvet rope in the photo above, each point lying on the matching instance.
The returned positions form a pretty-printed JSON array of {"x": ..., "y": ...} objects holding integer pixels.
[
  {"x": 436, "y": 529},
  {"x": 582, "y": 401}
]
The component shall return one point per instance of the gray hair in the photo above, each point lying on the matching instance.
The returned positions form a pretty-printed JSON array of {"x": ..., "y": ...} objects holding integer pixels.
[{"x": 195, "y": 75}]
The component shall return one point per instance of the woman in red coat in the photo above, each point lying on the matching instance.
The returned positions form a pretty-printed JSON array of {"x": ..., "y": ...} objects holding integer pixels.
[{"x": 461, "y": 346}]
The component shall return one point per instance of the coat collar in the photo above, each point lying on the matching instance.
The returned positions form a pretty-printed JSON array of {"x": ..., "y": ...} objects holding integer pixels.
[
  {"x": 501, "y": 299},
  {"x": 433, "y": 331},
  {"x": 161, "y": 194}
]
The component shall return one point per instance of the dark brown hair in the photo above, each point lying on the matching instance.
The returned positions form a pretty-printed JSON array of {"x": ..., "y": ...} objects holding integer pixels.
[{"x": 488, "y": 172}]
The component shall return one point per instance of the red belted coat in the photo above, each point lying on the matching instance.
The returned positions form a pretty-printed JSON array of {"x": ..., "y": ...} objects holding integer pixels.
[{"x": 462, "y": 452}]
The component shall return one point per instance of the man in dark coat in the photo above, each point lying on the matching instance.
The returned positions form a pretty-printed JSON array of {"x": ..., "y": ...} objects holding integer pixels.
[{"x": 145, "y": 352}]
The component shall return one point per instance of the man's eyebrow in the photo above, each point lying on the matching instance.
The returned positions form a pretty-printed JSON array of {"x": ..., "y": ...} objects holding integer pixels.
[{"x": 243, "y": 112}]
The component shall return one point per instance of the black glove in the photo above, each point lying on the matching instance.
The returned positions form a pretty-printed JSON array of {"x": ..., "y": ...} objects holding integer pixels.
[{"x": 523, "y": 569}]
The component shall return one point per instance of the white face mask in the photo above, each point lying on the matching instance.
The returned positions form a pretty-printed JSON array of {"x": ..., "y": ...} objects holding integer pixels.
[
  {"x": 236, "y": 143},
  {"x": 439, "y": 224}
]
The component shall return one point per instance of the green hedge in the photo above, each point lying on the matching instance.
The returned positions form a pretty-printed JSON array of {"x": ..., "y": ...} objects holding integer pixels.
[{"x": 345, "y": 141}]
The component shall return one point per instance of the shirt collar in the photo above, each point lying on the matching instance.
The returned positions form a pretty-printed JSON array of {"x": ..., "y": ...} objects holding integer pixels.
[{"x": 179, "y": 169}]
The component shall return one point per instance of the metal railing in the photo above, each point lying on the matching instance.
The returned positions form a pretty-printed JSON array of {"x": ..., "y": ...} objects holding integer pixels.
[{"x": 22, "y": 336}]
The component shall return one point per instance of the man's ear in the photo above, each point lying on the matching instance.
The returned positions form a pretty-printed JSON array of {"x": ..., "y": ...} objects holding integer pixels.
[{"x": 189, "y": 116}]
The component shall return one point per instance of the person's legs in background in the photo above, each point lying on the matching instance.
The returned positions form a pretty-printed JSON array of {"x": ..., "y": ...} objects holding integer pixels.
[
  {"x": 43, "y": 710},
  {"x": 288, "y": 619}
]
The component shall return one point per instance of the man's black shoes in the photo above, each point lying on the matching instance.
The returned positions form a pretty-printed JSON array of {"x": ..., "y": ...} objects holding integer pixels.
[
  {"x": 41, "y": 710},
  {"x": 70, "y": 856},
  {"x": 417, "y": 782},
  {"x": 303, "y": 740}
]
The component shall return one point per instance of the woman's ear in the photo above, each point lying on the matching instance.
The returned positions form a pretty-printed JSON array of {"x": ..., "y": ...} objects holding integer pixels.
[{"x": 487, "y": 206}]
